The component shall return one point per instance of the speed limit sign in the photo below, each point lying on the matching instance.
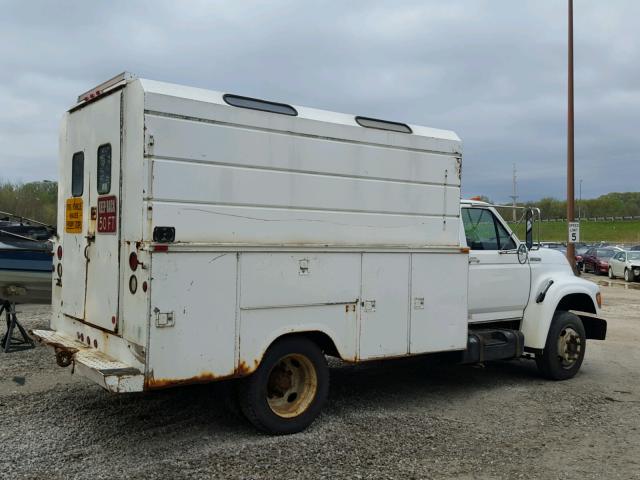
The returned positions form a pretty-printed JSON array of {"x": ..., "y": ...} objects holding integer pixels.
[{"x": 574, "y": 232}]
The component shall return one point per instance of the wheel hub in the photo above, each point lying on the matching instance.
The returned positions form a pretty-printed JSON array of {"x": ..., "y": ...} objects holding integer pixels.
[
  {"x": 569, "y": 347},
  {"x": 292, "y": 386}
]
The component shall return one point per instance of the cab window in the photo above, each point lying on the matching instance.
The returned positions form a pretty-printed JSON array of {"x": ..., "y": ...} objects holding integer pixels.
[
  {"x": 484, "y": 232},
  {"x": 77, "y": 174},
  {"x": 104, "y": 169}
]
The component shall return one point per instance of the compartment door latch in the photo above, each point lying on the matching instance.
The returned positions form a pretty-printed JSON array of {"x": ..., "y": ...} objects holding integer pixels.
[{"x": 164, "y": 319}]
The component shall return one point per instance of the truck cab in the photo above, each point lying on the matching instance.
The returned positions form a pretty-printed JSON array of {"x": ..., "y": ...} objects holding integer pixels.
[{"x": 528, "y": 289}]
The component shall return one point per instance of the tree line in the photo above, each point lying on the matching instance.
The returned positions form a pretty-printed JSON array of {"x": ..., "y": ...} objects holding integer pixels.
[
  {"x": 616, "y": 204},
  {"x": 35, "y": 200}
]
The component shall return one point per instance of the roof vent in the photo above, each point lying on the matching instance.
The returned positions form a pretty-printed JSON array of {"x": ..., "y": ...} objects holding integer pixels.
[
  {"x": 383, "y": 125},
  {"x": 257, "y": 104}
]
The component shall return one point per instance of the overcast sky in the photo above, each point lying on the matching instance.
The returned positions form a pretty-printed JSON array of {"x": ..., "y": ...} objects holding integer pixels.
[{"x": 494, "y": 71}]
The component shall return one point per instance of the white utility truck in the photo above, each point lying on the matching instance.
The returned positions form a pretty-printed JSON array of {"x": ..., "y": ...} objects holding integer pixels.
[{"x": 207, "y": 236}]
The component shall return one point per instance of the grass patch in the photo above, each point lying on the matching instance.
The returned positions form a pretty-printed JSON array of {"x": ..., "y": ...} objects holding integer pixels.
[{"x": 617, "y": 231}]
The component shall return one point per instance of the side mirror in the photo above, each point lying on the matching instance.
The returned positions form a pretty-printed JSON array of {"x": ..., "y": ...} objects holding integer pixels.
[{"x": 529, "y": 229}]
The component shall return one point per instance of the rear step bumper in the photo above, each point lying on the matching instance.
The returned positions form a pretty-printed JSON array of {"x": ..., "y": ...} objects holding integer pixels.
[{"x": 107, "y": 372}]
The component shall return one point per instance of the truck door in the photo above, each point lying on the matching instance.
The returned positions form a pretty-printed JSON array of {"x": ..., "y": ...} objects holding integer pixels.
[
  {"x": 498, "y": 284},
  {"x": 92, "y": 213}
]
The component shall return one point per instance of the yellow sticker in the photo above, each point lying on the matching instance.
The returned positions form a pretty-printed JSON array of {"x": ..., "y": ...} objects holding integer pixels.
[{"x": 73, "y": 215}]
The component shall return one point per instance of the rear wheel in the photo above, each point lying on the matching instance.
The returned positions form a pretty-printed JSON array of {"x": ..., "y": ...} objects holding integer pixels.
[
  {"x": 287, "y": 391},
  {"x": 564, "y": 351},
  {"x": 611, "y": 273}
]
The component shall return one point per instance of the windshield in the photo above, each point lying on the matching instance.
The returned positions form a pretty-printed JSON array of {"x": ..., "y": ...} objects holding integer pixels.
[
  {"x": 633, "y": 255},
  {"x": 605, "y": 253}
]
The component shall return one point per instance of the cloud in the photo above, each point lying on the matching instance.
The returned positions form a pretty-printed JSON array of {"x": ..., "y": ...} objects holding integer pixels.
[{"x": 493, "y": 71}]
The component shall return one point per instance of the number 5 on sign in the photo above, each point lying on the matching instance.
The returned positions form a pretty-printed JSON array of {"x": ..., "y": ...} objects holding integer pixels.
[{"x": 574, "y": 232}]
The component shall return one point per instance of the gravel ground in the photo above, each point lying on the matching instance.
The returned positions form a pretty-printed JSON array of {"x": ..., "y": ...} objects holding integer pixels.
[{"x": 403, "y": 419}]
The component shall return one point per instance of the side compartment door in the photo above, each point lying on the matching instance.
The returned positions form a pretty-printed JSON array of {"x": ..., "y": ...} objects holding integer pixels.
[
  {"x": 438, "y": 302},
  {"x": 193, "y": 323},
  {"x": 498, "y": 284},
  {"x": 384, "y": 327}
]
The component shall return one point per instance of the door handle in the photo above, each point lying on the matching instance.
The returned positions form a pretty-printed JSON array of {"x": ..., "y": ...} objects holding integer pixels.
[{"x": 474, "y": 260}]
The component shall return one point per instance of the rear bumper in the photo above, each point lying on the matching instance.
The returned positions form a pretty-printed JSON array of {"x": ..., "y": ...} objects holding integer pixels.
[{"x": 110, "y": 374}]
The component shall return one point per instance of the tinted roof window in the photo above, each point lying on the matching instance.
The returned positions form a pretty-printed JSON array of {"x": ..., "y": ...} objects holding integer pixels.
[
  {"x": 383, "y": 125},
  {"x": 77, "y": 174},
  {"x": 257, "y": 104}
]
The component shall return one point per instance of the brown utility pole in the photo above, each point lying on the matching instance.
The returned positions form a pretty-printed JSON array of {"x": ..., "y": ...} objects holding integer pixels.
[{"x": 571, "y": 248}]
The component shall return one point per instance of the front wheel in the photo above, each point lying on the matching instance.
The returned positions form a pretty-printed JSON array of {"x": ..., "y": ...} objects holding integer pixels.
[
  {"x": 287, "y": 391},
  {"x": 627, "y": 275},
  {"x": 565, "y": 347}
]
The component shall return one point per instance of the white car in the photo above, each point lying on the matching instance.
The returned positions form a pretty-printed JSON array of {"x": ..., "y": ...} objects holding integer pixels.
[{"x": 625, "y": 264}]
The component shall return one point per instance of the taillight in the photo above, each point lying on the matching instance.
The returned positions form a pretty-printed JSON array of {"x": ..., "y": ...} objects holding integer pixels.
[
  {"x": 59, "y": 252},
  {"x": 133, "y": 261}
]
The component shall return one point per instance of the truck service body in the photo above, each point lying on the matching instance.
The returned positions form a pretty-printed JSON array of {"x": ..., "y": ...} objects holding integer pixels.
[{"x": 206, "y": 236}]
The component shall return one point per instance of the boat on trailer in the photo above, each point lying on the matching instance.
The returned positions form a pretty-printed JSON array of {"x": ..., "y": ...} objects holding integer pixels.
[{"x": 25, "y": 260}]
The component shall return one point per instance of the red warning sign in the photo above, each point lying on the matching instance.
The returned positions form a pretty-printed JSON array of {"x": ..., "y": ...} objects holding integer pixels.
[{"x": 107, "y": 214}]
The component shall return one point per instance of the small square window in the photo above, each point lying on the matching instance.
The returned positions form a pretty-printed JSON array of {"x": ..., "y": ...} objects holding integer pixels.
[
  {"x": 104, "y": 169},
  {"x": 77, "y": 174}
]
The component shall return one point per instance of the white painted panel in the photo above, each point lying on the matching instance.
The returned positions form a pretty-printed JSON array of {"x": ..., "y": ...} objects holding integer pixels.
[
  {"x": 384, "y": 327},
  {"x": 438, "y": 302},
  {"x": 202, "y": 183},
  {"x": 199, "y": 289},
  {"x": 259, "y": 328},
  {"x": 288, "y": 227},
  {"x": 280, "y": 279},
  {"x": 225, "y": 144},
  {"x": 103, "y": 268}
]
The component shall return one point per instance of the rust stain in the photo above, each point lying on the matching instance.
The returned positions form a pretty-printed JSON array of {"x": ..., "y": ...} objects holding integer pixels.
[
  {"x": 158, "y": 383},
  {"x": 242, "y": 370}
]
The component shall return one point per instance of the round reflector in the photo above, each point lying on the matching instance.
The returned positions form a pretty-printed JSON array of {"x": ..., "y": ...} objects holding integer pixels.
[
  {"x": 133, "y": 261},
  {"x": 133, "y": 284}
]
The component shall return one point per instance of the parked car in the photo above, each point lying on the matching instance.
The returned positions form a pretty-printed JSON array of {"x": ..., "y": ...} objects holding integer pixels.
[
  {"x": 635, "y": 248},
  {"x": 554, "y": 245},
  {"x": 625, "y": 264},
  {"x": 580, "y": 251},
  {"x": 596, "y": 260}
]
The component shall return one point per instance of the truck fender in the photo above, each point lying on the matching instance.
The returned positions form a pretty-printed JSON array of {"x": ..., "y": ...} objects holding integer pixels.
[
  {"x": 251, "y": 354},
  {"x": 566, "y": 293}
]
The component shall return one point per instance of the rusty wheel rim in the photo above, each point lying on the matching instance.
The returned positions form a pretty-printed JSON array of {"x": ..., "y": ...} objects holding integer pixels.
[
  {"x": 569, "y": 347},
  {"x": 292, "y": 386}
]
